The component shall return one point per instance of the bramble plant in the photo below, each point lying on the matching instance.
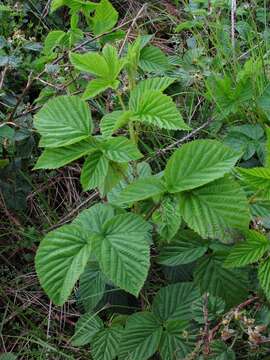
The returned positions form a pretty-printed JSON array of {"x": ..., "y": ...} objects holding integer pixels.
[{"x": 189, "y": 212}]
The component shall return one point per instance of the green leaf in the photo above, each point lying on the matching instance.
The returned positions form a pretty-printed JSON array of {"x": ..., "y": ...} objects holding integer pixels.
[
  {"x": 141, "y": 189},
  {"x": 53, "y": 158},
  {"x": 91, "y": 62},
  {"x": 63, "y": 121},
  {"x": 105, "y": 17},
  {"x": 249, "y": 251},
  {"x": 167, "y": 218},
  {"x": 215, "y": 209},
  {"x": 111, "y": 57},
  {"x": 141, "y": 337},
  {"x": 113, "y": 121},
  {"x": 93, "y": 219},
  {"x": 55, "y": 4},
  {"x": 115, "y": 174},
  {"x": 53, "y": 39},
  {"x": 174, "y": 344},
  {"x": 258, "y": 176},
  {"x": 228, "y": 284},
  {"x": 154, "y": 108},
  {"x": 152, "y": 59},
  {"x": 96, "y": 87},
  {"x": 219, "y": 351},
  {"x": 264, "y": 277},
  {"x": 92, "y": 286},
  {"x": 121, "y": 149},
  {"x": 215, "y": 306},
  {"x": 185, "y": 248},
  {"x": 173, "y": 302},
  {"x": 106, "y": 67},
  {"x": 106, "y": 343},
  {"x": 123, "y": 253},
  {"x": 143, "y": 171},
  {"x": 61, "y": 259},
  {"x": 198, "y": 163},
  {"x": 94, "y": 170},
  {"x": 86, "y": 327},
  {"x": 156, "y": 83}
]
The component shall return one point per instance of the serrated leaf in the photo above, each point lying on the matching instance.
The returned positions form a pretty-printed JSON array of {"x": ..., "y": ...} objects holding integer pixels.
[
  {"x": 95, "y": 87},
  {"x": 264, "y": 277},
  {"x": 258, "y": 176},
  {"x": 154, "y": 108},
  {"x": 92, "y": 287},
  {"x": 213, "y": 210},
  {"x": 114, "y": 63},
  {"x": 109, "y": 122},
  {"x": 167, "y": 218},
  {"x": 219, "y": 351},
  {"x": 94, "y": 170},
  {"x": 53, "y": 158},
  {"x": 121, "y": 149},
  {"x": 123, "y": 253},
  {"x": 229, "y": 284},
  {"x": 248, "y": 251},
  {"x": 86, "y": 327},
  {"x": 53, "y": 39},
  {"x": 185, "y": 248},
  {"x": 215, "y": 306},
  {"x": 141, "y": 337},
  {"x": 105, "y": 17},
  {"x": 61, "y": 259},
  {"x": 93, "y": 219},
  {"x": 91, "y": 62},
  {"x": 63, "y": 121},
  {"x": 156, "y": 83},
  {"x": 116, "y": 172},
  {"x": 141, "y": 189},
  {"x": 173, "y": 302},
  {"x": 198, "y": 163},
  {"x": 152, "y": 59},
  {"x": 174, "y": 344},
  {"x": 143, "y": 171},
  {"x": 106, "y": 343}
]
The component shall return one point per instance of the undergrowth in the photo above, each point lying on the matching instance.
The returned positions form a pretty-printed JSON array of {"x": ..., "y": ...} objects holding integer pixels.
[{"x": 134, "y": 179}]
